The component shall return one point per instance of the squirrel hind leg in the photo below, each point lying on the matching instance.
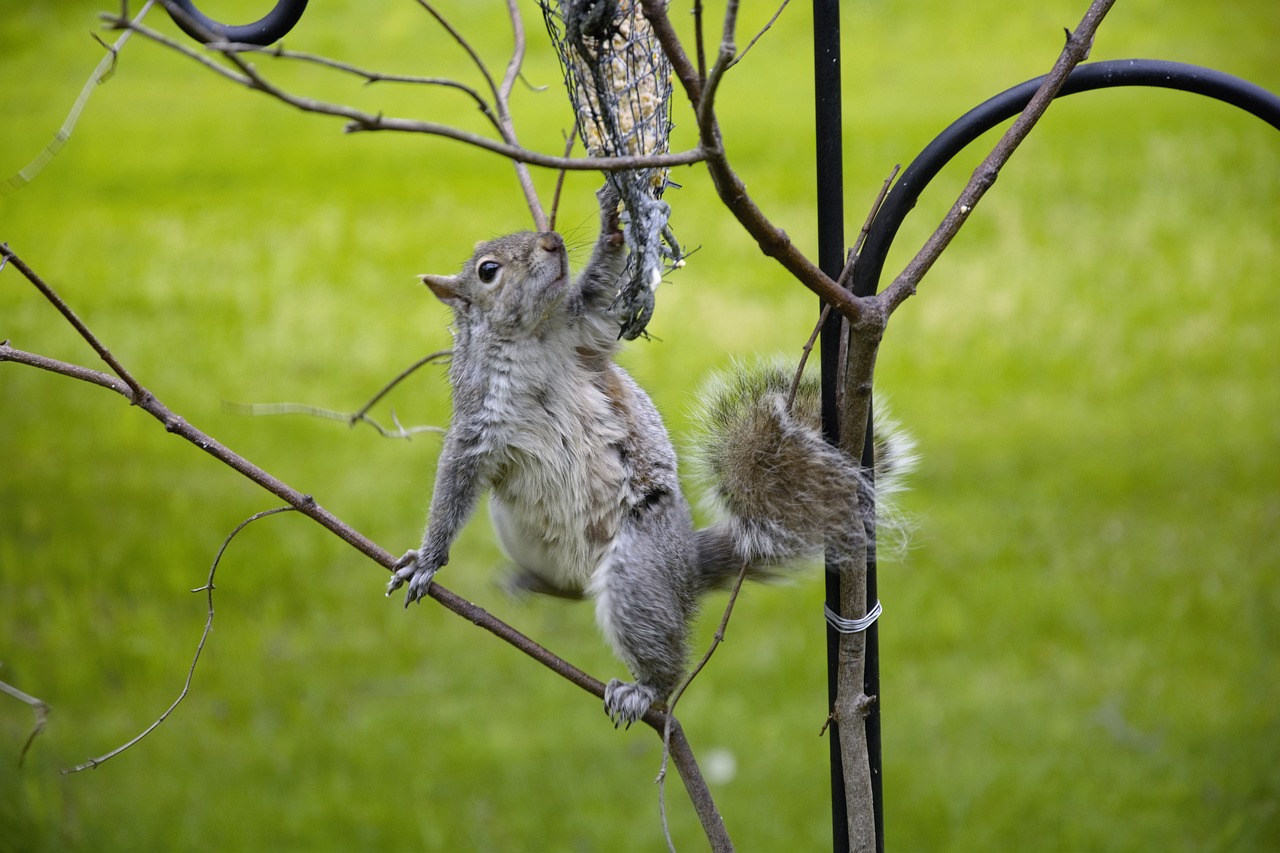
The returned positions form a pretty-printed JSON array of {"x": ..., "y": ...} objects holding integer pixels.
[
  {"x": 645, "y": 599},
  {"x": 647, "y": 626}
]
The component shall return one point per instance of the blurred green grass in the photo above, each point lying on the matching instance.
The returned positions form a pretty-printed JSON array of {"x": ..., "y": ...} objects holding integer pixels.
[{"x": 1079, "y": 651}]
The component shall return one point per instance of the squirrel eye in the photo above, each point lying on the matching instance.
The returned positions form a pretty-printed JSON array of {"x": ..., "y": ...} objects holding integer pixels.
[{"x": 488, "y": 271}]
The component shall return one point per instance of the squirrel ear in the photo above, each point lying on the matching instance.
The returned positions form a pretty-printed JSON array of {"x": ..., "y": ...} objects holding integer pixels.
[{"x": 444, "y": 287}]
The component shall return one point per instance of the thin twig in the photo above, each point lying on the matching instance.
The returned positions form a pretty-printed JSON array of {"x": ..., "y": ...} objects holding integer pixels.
[
  {"x": 871, "y": 218},
  {"x": 716, "y": 640},
  {"x": 695, "y": 784},
  {"x": 438, "y": 355},
  {"x": 369, "y": 77},
  {"x": 503, "y": 101},
  {"x": 360, "y": 415},
  {"x": 691, "y": 78},
  {"x": 137, "y": 391},
  {"x": 760, "y": 34},
  {"x": 465, "y": 45},
  {"x": 38, "y": 707},
  {"x": 105, "y": 68},
  {"x": 560, "y": 176},
  {"x": 1079, "y": 43},
  {"x": 501, "y": 95},
  {"x": 191, "y": 671},
  {"x": 699, "y": 42},
  {"x": 850, "y": 263},
  {"x": 706, "y": 109}
]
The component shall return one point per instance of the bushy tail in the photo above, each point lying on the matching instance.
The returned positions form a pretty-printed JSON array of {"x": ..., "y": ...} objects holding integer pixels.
[{"x": 784, "y": 492}]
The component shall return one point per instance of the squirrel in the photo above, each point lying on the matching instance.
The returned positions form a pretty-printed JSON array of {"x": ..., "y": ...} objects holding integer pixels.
[{"x": 586, "y": 500}]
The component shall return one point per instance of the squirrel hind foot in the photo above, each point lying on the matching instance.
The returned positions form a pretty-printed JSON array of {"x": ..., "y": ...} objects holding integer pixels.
[{"x": 627, "y": 701}]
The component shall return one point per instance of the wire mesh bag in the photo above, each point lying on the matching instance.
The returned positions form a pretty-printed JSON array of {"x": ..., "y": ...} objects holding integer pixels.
[{"x": 619, "y": 83}]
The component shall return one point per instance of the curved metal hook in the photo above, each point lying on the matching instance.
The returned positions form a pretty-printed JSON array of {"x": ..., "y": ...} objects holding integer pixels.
[
  {"x": 269, "y": 29},
  {"x": 1097, "y": 75}
]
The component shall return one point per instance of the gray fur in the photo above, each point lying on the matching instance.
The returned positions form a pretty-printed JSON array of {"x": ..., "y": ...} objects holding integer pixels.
[{"x": 585, "y": 495}]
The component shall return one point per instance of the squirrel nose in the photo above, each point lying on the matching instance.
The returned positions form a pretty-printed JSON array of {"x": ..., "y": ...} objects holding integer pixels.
[{"x": 550, "y": 241}]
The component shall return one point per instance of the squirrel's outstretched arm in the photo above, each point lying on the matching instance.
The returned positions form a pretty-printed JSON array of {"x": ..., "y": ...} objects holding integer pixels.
[
  {"x": 459, "y": 481},
  {"x": 598, "y": 282}
]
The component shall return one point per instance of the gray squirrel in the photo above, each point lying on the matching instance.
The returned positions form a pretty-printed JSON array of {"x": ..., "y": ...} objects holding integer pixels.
[{"x": 585, "y": 495}]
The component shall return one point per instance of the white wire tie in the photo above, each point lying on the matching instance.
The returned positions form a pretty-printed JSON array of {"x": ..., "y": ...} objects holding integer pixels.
[{"x": 853, "y": 626}]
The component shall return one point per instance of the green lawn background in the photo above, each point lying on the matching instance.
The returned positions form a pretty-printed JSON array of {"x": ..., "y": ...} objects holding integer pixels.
[{"x": 1079, "y": 649}]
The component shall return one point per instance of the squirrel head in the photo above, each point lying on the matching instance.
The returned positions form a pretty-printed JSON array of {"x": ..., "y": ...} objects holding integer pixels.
[{"x": 513, "y": 282}]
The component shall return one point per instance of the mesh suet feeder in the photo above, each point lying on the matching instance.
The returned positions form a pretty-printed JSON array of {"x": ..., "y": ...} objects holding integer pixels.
[{"x": 619, "y": 83}]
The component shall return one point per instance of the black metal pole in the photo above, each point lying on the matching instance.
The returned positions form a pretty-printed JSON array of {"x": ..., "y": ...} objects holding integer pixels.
[{"x": 831, "y": 248}]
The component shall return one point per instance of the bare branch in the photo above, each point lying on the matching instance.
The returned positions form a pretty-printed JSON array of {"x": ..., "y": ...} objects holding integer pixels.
[
  {"x": 706, "y": 109},
  {"x": 1076, "y": 50},
  {"x": 850, "y": 263},
  {"x": 760, "y": 34},
  {"x": 508, "y": 130},
  {"x": 501, "y": 96},
  {"x": 655, "y": 12},
  {"x": 360, "y": 415},
  {"x": 368, "y": 76},
  {"x": 772, "y": 240},
  {"x": 359, "y": 120},
  {"x": 438, "y": 355},
  {"x": 105, "y": 68},
  {"x": 135, "y": 389},
  {"x": 716, "y": 640},
  {"x": 700, "y": 44},
  {"x": 62, "y": 368},
  {"x": 191, "y": 671},
  {"x": 465, "y": 45},
  {"x": 555, "y": 196},
  {"x": 696, "y": 786}
]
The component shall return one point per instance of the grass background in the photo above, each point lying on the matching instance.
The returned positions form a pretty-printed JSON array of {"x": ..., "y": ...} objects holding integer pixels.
[{"x": 1079, "y": 650}]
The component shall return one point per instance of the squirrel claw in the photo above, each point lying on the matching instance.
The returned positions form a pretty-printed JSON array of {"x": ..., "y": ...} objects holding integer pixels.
[
  {"x": 625, "y": 702},
  {"x": 408, "y": 569}
]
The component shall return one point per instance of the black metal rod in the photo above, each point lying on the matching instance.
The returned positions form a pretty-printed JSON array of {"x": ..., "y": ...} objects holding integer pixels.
[
  {"x": 831, "y": 248},
  {"x": 267, "y": 30}
]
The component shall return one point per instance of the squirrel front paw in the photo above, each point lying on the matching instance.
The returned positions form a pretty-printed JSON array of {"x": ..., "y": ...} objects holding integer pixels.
[
  {"x": 417, "y": 571},
  {"x": 610, "y": 200},
  {"x": 627, "y": 701}
]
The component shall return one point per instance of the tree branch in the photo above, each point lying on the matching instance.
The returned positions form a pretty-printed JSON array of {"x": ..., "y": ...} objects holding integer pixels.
[
  {"x": 1076, "y": 50},
  {"x": 358, "y": 120},
  {"x": 130, "y": 389},
  {"x": 502, "y": 96},
  {"x": 504, "y": 115},
  {"x": 369, "y": 77},
  {"x": 773, "y": 241}
]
